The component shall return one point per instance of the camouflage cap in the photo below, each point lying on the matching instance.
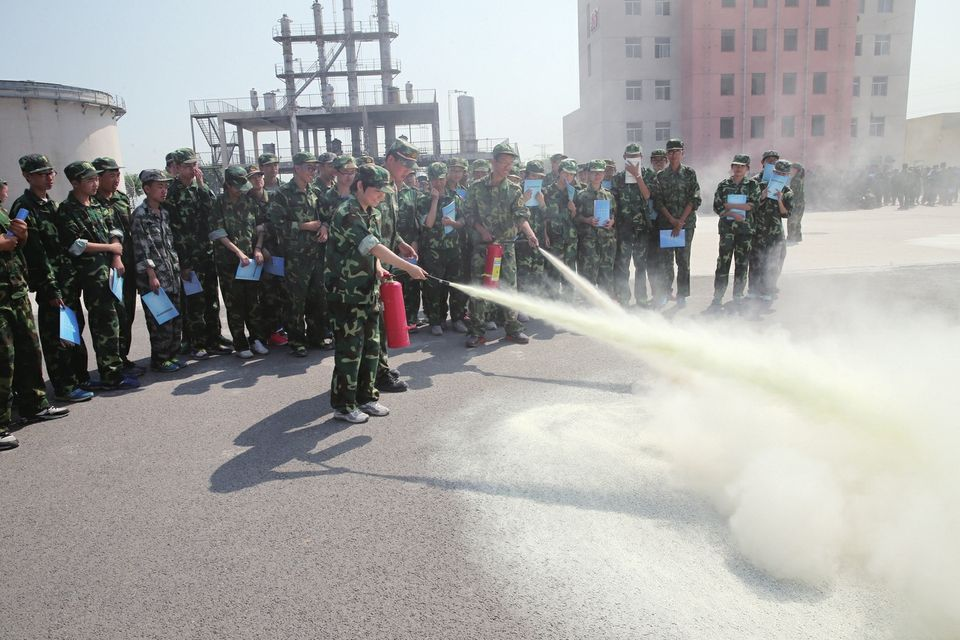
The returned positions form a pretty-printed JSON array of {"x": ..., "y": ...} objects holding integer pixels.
[
  {"x": 741, "y": 158},
  {"x": 770, "y": 154},
  {"x": 557, "y": 157},
  {"x": 80, "y": 170},
  {"x": 170, "y": 157},
  {"x": 674, "y": 144},
  {"x": 342, "y": 163},
  {"x": 236, "y": 176},
  {"x": 105, "y": 163},
  {"x": 186, "y": 155},
  {"x": 481, "y": 165},
  {"x": 516, "y": 170},
  {"x": 404, "y": 152},
  {"x": 437, "y": 170},
  {"x": 535, "y": 166},
  {"x": 366, "y": 160},
  {"x": 154, "y": 175},
  {"x": 326, "y": 157},
  {"x": 253, "y": 170},
  {"x": 304, "y": 157},
  {"x": 267, "y": 158},
  {"x": 597, "y": 165},
  {"x": 35, "y": 163},
  {"x": 3, "y": 181},
  {"x": 569, "y": 165},
  {"x": 373, "y": 176},
  {"x": 658, "y": 153},
  {"x": 782, "y": 166},
  {"x": 633, "y": 149},
  {"x": 457, "y": 162},
  {"x": 504, "y": 148}
]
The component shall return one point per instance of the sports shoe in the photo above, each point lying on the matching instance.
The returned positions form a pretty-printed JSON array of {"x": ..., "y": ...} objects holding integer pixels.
[
  {"x": 475, "y": 341},
  {"x": 519, "y": 337},
  {"x": 277, "y": 339},
  {"x": 356, "y": 416},
  {"x": 126, "y": 382},
  {"x": 8, "y": 441},
  {"x": 132, "y": 368},
  {"x": 389, "y": 384},
  {"x": 220, "y": 349},
  {"x": 522, "y": 317},
  {"x": 436, "y": 330},
  {"x": 200, "y": 354},
  {"x": 224, "y": 341},
  {"x": 76, "y": 395},
  {"x": 167, "y": 366},
  {"x": 180, "y": 365},
  {"x": 375, "y": 409},
  {"x": 299, "y": 352},
  {"x": 246, "y": 354},
  {"x": 459, "y": 326},
  {"x": 327, "y": 344},
  {"x": 491, "y": 325},
  {"x": 50, "y": 413},
  {"x": 260, "y": 348}
]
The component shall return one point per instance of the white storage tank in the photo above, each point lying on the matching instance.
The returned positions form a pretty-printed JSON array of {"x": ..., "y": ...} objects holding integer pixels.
[{"x": 63, "y": 123}]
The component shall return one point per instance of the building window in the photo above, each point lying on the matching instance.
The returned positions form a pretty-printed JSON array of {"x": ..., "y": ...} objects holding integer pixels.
[
  {"x": 879, "y": 87},
  {"x": 856, "y": 86},
  {"x": 819, "y": 83},
  {"x": 858, "y": 47},
  {"x": 823, "y": 3},
  {"x": 633, "y": 47},
  {"x": 758, "y": 84},
  {"x": 726, "y": 84},
  {"x": 661, "y": 89},
  {"x": 791, "y": 3},
  {"x": 854, "y": 126},
  {"x": 821, "y": 39},
  {"x": 861, "y": 6},
  {"x": 790, "y": 84},
  {"x": 632, "y": 7},
  {"x": 663, "y": 7},
  {"x": 728, "y": 4},
  {"x": 789, "y": 39},
  {"x": 635, "y": 132},
  {"x": 727, "y": 39},
  {"x": 818, "y": 126},
  {"x": 661, "y": 48},
  {"x": 757, "y": 125},
  {"x": 788, "y": 126},
  {"x": 884, "y": 6},
  {"x": 881, "y": 45},
  {"x": 726, "y": 128},
  {"x": 634, "y": 89},
  {"x": 662, "y": 131},
  {"x": 759, "y": 39},
  {"x": 759, "y": 4},
  {"x": 877, "y": 126}
]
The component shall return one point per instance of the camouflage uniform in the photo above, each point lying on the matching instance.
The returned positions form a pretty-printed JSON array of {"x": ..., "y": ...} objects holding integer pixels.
[
  {"x": 353, "y": 295},
  {"x": 408, "y": 226},
  {"x": 794, "y": 232},
  {"x": 597, "y": 247},
  {"x": 634, "y": 232},
  {"x": 383, "y": 224},
  {"x": 273, "y": 296},
  {"x": 439, "y": 256},
  {"x": 735, "y": 237},
  {"x": 561, "y": 233},
  {"x": 768, "y": 245},
  {"x": 531, "y": 266},
  {"x": 154, "y": 247},
  {"x": 674, "y": 190}
]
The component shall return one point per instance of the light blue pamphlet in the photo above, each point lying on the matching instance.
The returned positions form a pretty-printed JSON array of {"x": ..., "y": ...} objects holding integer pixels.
[
  {"x": 116, "y": 284},
  {"x": 21, "y": 215},
  {"x": 667, "y": 241},
  {"x": 606, "y": 184},
  {"x": 449, "y": 211},
  {"x": 250, "y": 272},
  {"x": 737, "y": 198},
  {"x": 535, "y": 187},
  {"x": 69, "y": 329},
  {"x": 768, "y": 172},
  {"x": 571, "y": 192},
  {"x": 192, "y": 285},
  {"x": 462, "y": 193},
  {"x": 776, "y": 185},
  {"x": 275, "y": 266},
  {"x": 601, "y": 211},
  {"x": 160, "y": 306},
  {"x": 651, "y": 210}
]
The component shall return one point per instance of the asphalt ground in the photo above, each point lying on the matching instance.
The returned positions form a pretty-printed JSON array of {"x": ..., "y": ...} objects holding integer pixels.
[{"x": 505, "y": 496}]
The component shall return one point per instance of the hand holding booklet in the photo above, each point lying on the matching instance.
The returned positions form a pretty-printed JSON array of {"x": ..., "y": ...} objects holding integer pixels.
[
  {"x": 776, "y": 185},
  {"x": 449, "y": 211},
  {"x": 601, "y": 212},
  {"x": 534, "y": 187},
  {"x": 69, "y": 329},
  {"x": 250, "y": 272},
  {"x": 669, "y": 241},
  {"x": 160, "y": 306},
  {"x": 192, "y": 286},
  {"x": 736, "y": 213},
  {"x": 116, "y": 284}
]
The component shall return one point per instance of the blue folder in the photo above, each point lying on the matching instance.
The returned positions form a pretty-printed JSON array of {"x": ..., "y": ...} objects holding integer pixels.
[
  {"x": 571, "y": 192},
  {"x": 776, "y": 185},
  {"x": 601, "y": 211},
  {"x": 160, "y": 306},
  {"x": 275, "y": 266},
  {"x": 192, "y": 286},
  {"x": 737, "y": 198},
  {"x": 250, "y": 272},
  {"x": 21, "y": 215},
  {"x": 462, "y": 193},
  {"x": 449, "y": 211},
  {"x": 535, "y": 186},
  {"x": 116, "y": 284},
  {"x": 606, "y": 184},
  {"x": 667, "y": 241},
  {"x": 69, "y": 329}
]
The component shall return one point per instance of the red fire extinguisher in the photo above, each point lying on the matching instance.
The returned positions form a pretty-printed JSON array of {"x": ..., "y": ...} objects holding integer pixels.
[
  {"x": 394, "y": 314},
  {"x": 491, "y": 272}
]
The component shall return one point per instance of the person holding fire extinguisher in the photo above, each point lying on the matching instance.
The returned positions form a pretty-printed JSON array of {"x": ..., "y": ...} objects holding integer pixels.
[
  {"x": 351, "y": 278},
  {"x": 495, "y": 209}
]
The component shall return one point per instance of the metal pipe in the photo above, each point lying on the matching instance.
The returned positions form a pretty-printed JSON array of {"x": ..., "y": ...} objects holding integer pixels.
[
  {"x": 321, "y": 43},
  {"x": 352, "y": 85},
  {"x": 383, "y": 26}
]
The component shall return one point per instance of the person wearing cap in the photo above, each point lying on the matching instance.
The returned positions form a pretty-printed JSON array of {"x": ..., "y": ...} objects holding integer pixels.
[
  {"x": 351, "y": 279},
  {"x": 233, "y": 232},
  {"x": 768, "y": 158},
  {"x": 735, "y": 229},
  {"x": 273, "y": 296},
  {"x": 676, "y": 195},
  {"x": 530, "y": 263},
  {"x": 597, "y": 242},
  {"x": 495, "y": 210},
  {"x": 157, "y": 266},
  {"x": 481, "y": 169},
  {"x": 794, "y": 230},
  {"x": 658, "y": 161},
  {"x": 270, "y": 166},
  {"x": 409, "y": 226},
  {"x": 551, "y": 177},
  {"x": 457, "y": 169},
  {"x": 767, "y": 249},
  {"x": 93, "y": 241},
  {"x": 439, "y": 245},
  {"x": 295, "y": 212},
  {"x": 170, "y": 162},
  {"x": 560, "y": 228},
  {"x": 190, "y": 202},
  {"x": 325, "y": 171},
  {"x": 365, "y": 159},
  {"x": 634, "y": 225},
  {"x": 109, "y": 195}
]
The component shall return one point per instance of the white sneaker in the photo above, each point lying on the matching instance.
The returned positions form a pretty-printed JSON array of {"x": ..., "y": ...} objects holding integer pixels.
[
  {"x": 436, "y": 330},
  {"x": 260, "y": 348},
  {"x": 246, "y": 354},
  {"x": 356, "y": 416},
  {"x": 374, "y": 409},
  {"x": 522, "y": 317}
]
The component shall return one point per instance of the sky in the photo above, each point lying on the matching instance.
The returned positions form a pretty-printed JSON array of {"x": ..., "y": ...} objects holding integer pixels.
[{"x": 518, "y": 60}]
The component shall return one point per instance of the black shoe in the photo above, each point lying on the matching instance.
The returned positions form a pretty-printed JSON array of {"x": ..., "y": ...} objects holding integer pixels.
[
  {"x": 394, "y": 374},
  {"x": 386, "y": 384},
  {"x": 50, "y": 413},
  {"x": 519, "y": 338},
  {"x": 299, "y": 352},
  {"x": 132, "y": 368},
  {"x": 224, "y": 341},
  {"x": 220, "y": 349}
]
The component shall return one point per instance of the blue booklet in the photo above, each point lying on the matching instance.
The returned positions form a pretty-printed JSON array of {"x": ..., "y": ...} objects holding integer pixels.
[
  {"x": 160, "y": 306},
  {"x": 601, "y": 211},
  {"x": 449, "y": 211},
  {"x": 606, "y": 184},
  {"x": 571, "y": 192},
  {"x": 768, "y": 172},
  {"x": 116, "y": 284},
  {"x": 21, "y": 215},
  {"x": 192, "y": 286},
  {"x": 737, "y": 198},
  {"x": 69, "y": 329},
  {"x": 535, "y": 187},
  {"x": 776, "y": 185},
  {"x": 651, "y": 210},
  {"x": 250, "y": 272},
  {"x": 275, "y": 266},
  {"x": 667, "y": 241},
  {"x": 462, "y": 193}
]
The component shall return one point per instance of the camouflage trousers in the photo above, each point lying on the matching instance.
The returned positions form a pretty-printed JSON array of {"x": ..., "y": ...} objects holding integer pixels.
[
  {"x": 480, "y": 310},
  {"x": 21, "y": 376},
  {"x": 129, "y": 302},
  {"x": 242, "y": 298},
  {"x": 307, "y": 322},
  {"x": 164, "y": 338},
  {"x": 531, "y": 270},
  {"x": 458, "y": 299},
  {"x": 273, "y": 302},
  {"x": 201, "y": 322},
  {"x": 411, "y": 295},
  {"x": 444, "y": 264},
  {"x": 794, "y": 232},
  {"x": 564, "y": 246},
  {"x": 596, "y": 255},
  {"x": 666, "y": 259},
  {"x": 66, "y": 363},
  {"x": 103, "y": 313},
  {"x": 766, "y": 260},
  {"x": 356, "y": 334},
  {"x": 638, "y": 247},
  {"x": 734, "y": 247}
]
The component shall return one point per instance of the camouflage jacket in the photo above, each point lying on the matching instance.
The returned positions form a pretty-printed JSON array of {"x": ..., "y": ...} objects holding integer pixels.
[
  {"x": 674, "y": 190},
  {"x": 408, "y": 218},
  {"x": 189, "y": 208},
  {"x": 153, "y": 247},
  {"x": 633, "y": 210},
  {"x": 767, "y": 225},
  {"x": 49, "y": 272},
  {"x": 350, "y": 271},
  {"x": 330, "y": 201},
  {"x": 270, "y": 241},
  {"x": 119, "y": 206},
  {"x": 237, "y": 221},
  {"x": 274, "y": 188},
  {"x": 748, "y": 187},
  {"x": 584, "y": 203},
  {"x": 79, "y": 225},
  {"x": 13, "y": 277},
  {"x": 436, "y": 238},
  {"x": 499, "y": 208},
  {"x": 385, "y": 218},
  {"x": 557, "y": 218},
  {"x": 289, "y": 208}
]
